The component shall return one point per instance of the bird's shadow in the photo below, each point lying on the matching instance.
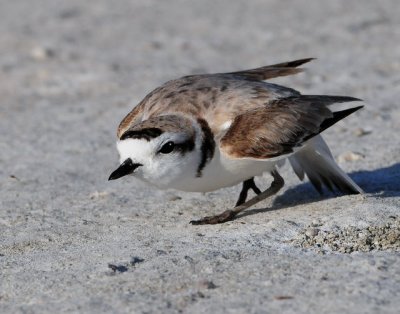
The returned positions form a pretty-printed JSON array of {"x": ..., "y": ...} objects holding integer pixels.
[{"x": 383, "y": 182}]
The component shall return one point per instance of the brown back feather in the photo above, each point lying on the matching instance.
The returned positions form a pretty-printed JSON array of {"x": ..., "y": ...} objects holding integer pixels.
[{"x": 197, "y": 94}]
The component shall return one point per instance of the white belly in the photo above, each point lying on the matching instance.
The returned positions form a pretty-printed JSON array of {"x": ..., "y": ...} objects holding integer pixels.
[{"x": 223, "y": 172}]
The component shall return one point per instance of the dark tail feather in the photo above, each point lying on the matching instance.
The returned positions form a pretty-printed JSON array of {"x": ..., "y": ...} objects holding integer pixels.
[
  {"x": 291, "y": 64},
  {"x": 337, "y": 116},
  {"x": 324, "y": 99}
]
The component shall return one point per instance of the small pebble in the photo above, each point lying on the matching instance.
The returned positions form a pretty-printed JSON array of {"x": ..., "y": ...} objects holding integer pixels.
[
  {"x": 207, "y": 284},
  {"x": 350, "y": 156},
  {"x": 316, "y": 223},
  {"x": 174, "y": 198},
  {"x": 312, "y": 232},
  {"x": 362, "y": 132},
  {"x": 41, "y": 53},
  {"x": 97, "y": 195},
  {"x": 118, "y": 268},
  {"x": 136, "y": 260}
]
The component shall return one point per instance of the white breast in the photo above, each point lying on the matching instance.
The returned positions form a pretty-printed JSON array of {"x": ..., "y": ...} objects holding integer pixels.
[{"x": 223, "y": 172}]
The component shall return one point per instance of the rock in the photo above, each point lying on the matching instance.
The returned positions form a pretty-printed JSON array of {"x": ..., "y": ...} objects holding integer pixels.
[
  {"x": 350, "y": 156},
  {"x": 312, "y": 232},
  {"x": 173, "y": 198},
  {"x": 362, "y": 132},
  {"x": 41, "y": 53}
]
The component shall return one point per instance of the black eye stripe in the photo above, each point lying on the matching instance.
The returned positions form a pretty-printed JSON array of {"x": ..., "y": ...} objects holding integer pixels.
[
  {"x": 186, "y": 146},
  {"x": 147, "y": 134}
]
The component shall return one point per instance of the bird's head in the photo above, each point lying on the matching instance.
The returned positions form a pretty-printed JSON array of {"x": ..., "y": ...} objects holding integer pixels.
[{"x": 162, "y": 150}]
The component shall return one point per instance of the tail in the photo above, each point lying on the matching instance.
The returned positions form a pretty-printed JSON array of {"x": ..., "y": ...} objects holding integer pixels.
[
  {"x": 316, "y": 161},
  {"x": 275, "y": 70}
]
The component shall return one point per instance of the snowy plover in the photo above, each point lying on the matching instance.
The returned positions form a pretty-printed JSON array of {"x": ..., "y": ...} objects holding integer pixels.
[{"x": 200, "y": 133}]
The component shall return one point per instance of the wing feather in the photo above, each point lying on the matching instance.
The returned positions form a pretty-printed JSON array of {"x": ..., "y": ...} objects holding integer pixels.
[{"x": 281, "y": 126}]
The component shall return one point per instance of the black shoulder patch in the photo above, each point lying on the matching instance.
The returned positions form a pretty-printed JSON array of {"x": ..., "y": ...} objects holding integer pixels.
[{"x": 207, "y": 146}]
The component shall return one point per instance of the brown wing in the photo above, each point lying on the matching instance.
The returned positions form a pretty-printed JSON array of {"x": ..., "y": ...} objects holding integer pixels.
[
  {"x": 275, "y": 70},
  {"x": 281, "y": 126}
]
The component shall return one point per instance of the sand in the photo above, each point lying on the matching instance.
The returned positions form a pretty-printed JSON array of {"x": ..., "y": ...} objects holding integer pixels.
[{"x": 73, "y": 242}]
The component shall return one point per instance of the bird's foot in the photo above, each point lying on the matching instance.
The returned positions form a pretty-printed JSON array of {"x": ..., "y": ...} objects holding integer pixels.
[{"x": 217, "y": 219}]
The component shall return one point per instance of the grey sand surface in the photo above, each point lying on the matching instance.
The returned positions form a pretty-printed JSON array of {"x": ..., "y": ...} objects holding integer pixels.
[{"x": 73, "y": 242}]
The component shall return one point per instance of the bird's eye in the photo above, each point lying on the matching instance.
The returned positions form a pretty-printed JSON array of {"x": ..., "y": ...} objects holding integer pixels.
[{"x": 167, "y": 148}]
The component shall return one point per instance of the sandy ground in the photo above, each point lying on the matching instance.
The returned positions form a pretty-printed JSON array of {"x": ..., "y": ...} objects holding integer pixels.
[{"x": 73, "y": 242}]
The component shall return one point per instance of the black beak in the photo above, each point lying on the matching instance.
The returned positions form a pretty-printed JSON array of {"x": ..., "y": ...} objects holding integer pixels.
[{"x": 127, "y": 167}]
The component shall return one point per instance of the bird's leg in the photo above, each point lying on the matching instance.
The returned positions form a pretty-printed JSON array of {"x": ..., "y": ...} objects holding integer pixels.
[
  {"x": 247, "y": 185},
  {"x": 229, "y": 214},
  {"x": 254, "y": 187}
]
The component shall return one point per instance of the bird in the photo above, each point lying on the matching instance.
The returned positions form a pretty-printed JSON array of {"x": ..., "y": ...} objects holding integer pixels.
[{"x": 201, "y": 133}]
